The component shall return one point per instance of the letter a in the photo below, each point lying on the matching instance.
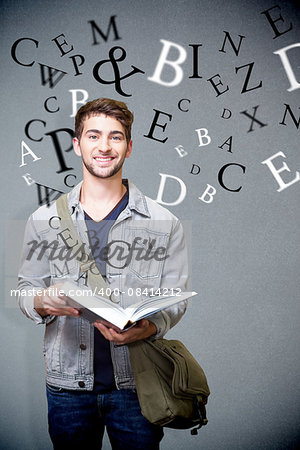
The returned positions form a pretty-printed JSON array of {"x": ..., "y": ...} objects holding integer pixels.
[
  {"x": 227, "y": 142},
  {"x": 29, "y": 152},
  {"x": 156, "y": 77}
]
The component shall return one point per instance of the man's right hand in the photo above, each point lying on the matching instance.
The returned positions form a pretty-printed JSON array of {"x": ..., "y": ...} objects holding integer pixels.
[{"x": 55, "y": 305}]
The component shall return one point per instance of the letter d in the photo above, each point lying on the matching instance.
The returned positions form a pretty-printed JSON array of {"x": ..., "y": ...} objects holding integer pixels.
[{"x": 161, "y": 189}]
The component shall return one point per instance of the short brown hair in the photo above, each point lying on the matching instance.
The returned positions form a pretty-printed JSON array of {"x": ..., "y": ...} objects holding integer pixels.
[{"x": 108, "y": 107}]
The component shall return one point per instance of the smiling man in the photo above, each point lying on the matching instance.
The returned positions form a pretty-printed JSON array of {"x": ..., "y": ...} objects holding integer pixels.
[
  {"x": 90, "y": 384},
  {"x": 102, "y": 146}
]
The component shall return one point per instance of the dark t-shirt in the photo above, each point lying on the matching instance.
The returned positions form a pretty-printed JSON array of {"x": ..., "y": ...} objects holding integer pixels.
[{"x": 98, "y": 234}]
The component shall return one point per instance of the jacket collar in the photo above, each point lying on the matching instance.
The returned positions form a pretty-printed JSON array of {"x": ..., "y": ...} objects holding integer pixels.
[{"x": 137, "y": 200}]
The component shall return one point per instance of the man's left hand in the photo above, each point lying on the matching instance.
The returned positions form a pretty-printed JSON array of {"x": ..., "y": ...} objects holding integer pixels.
[{"x": 142, "y": 330}]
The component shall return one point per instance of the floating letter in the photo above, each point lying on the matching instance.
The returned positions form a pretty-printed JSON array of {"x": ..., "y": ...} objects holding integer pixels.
[
  {"x": 156, "y": 77},
  {"x": 275, "y": 172},
  {"x": 181, "y": 196}
]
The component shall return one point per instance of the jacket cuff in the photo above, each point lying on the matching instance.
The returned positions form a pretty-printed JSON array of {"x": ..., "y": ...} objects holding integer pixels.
[
  {"x": 26, "y": 302},
  {"x": 162, "y": 322}
]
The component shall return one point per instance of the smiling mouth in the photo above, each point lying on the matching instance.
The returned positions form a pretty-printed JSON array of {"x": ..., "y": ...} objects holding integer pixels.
[{"x": 104, "y": 159}]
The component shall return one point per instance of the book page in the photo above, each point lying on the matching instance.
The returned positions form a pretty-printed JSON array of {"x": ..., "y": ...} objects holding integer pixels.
[
  {"x": 154, "y": 304},
  {"x": 102, "y": 307}
]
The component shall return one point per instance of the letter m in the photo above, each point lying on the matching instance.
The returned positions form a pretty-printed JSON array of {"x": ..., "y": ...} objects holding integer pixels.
[
  {"x": 59, "y": 272},
  {"x": 95, "y": 28}
]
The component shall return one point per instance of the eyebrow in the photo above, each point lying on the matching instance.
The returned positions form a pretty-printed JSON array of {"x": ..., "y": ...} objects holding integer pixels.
[{"x": 100, "y": 132}]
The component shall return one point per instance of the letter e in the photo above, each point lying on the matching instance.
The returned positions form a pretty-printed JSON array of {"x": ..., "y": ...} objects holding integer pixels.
[{"x": 275, "y": 172}]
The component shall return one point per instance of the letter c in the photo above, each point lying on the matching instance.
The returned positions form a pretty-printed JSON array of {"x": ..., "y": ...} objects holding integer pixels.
[
  {"x": 65, "y": 180},
  {"x": 221, "y": 172},
  {"x": 14, "y": 48},
  {"x": 27, "y": 126},
  {"x": 179, "y": 104},
  {"x": 46, "y": 105},
  {"x": 50, "y": 222}
]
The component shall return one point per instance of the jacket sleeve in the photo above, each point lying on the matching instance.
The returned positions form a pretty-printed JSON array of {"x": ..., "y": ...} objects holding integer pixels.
[
  {"x": 174, "y": 275},
  {"x": 34, "y": 272}
]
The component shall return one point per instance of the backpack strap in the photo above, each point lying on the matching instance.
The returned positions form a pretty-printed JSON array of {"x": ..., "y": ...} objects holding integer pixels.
[
  {"x": 94, "y": 277},
  {"x": 200, "y": 405}
]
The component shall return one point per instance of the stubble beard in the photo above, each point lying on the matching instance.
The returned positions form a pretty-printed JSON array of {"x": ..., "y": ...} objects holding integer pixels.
[{"x": 96, "y": 171}]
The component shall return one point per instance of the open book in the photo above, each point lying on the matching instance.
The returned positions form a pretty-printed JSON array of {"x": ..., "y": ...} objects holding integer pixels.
[{"x": 98, "y": 308}]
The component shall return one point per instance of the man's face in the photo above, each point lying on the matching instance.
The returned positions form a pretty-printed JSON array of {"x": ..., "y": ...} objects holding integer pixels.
[{"x": 102, "y": 146}]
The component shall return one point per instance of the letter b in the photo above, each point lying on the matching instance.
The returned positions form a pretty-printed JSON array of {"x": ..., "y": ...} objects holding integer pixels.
[
  {"x": 209, "y": 192},
  {"x": 175, "y": 64},
  {"x": 203, "y": 134}
]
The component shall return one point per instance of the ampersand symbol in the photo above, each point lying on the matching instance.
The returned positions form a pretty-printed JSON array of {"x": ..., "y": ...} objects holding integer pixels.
[{"x": 113, "y": 60}]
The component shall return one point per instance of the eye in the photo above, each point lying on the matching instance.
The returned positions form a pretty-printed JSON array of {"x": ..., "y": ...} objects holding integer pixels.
[
  {"x": 93, "y": 137},
  {"x": 116, "y": 138}
]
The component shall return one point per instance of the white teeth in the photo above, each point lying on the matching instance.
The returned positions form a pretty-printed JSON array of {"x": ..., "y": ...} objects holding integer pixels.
[{"x": 103, "y": 159}]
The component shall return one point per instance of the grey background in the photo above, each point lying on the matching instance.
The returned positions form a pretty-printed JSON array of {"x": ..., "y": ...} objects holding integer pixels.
[{"x": 243, "y": 326}]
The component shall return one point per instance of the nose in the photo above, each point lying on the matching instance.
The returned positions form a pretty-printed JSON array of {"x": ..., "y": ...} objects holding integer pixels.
[{"x": 103, "y": 144}]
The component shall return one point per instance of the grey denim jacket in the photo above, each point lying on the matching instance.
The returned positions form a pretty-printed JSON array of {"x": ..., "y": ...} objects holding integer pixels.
[{"x": 69, "y": 341}]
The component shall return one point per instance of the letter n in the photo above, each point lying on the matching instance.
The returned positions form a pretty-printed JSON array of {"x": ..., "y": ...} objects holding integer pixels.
[
  {"x": 288, "y": 109},
  {"x": 236, "y": 49}
]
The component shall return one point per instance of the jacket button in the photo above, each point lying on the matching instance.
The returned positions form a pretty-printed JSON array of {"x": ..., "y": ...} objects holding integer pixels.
[
  {"x": 81, "y": 384},
  {"x": 114, "y": 299},
  {"x": 82, "y": 346}
]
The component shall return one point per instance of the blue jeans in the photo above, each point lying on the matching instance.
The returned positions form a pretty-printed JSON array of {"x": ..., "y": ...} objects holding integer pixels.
[{"x": 77, "y": 419}]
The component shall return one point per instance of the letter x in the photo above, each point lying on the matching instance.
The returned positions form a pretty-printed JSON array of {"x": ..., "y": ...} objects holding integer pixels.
[{"x": 253, "y": 118}]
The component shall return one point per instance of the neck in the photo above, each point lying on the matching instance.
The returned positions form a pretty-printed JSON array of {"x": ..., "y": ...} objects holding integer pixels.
[{"x": 98, "y": 195}]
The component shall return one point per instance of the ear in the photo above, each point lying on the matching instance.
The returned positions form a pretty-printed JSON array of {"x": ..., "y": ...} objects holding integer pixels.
[
  {"x": 129, "y": 148},
  {"x": 76, "y": 146}
]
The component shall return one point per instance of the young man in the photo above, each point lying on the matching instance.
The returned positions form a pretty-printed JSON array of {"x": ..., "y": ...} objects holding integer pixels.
[{"x": 90, "y": 384}]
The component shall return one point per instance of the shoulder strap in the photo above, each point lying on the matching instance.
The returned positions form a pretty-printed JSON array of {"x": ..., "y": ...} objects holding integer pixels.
[{"x": 94, "y": 277}]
